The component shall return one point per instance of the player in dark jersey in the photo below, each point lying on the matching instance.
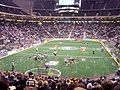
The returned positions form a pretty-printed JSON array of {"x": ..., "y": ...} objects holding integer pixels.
[
  {"x": 13, "y": 66},
  {"x": 93, "y": 51},
  {"x": 55, "y": 52},
  {"x": 102, "y": 49},
  {"x": 47, "y": 65}
]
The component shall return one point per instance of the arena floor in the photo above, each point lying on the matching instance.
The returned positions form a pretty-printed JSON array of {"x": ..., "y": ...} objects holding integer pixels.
[{"x": 90, "y": 58}]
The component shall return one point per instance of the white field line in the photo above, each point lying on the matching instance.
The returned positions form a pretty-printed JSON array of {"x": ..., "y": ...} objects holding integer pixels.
[
  {"x": 44, "y": 69},
  {"x": 110, "y": 53}
]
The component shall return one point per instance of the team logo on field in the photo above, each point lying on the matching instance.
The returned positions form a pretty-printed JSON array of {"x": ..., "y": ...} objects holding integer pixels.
[{"x": 67, "y": 48}]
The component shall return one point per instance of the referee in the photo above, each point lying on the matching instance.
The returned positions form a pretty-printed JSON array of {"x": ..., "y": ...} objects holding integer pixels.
[{"x": 13, "y": 66}]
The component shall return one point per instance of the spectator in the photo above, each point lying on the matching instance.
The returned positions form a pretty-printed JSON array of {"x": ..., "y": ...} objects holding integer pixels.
[{"x": 3, "y": 85}]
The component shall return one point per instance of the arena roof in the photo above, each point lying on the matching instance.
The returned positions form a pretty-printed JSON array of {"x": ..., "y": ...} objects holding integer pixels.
[{"x": 47, "y": 8}]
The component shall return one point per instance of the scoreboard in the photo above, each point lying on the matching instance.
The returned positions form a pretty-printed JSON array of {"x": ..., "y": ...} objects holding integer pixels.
[{"x": 68, "y": 6}]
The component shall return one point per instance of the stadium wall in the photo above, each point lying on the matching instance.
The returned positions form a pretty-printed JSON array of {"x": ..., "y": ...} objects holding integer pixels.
[
  {"x": 19, "y": 50},
  {"x": 112, "y": 55}
]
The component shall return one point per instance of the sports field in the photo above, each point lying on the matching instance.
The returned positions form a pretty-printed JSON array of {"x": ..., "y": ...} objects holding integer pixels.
[{"x": 86, "y": 63}]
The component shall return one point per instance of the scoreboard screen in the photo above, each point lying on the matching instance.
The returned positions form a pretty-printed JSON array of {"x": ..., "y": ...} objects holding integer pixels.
[
  {"x": 66, "y": 2},
  {"x": 68, "y": 6}
]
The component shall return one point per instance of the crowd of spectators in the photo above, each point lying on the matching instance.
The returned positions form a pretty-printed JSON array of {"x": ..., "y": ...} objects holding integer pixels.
[
  {"x": 16, "y": 35},
  {"x": 30, "y": 81}
]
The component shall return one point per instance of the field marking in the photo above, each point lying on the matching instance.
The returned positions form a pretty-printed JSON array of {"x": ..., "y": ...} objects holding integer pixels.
[
  {"x": 72, "y": 48},
  {"x": 69, "y": 46},
  {"x": 72, "y": 44},
  {"x": 44, "y": 69},
  {"x": 108, "y": 50}
]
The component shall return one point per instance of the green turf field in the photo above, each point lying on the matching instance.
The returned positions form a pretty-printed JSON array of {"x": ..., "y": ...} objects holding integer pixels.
[{"x": 86, "y": 63}]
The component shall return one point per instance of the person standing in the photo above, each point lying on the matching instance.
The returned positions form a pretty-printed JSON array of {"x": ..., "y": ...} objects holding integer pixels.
[
  {"x": 36, "y": 50},
  {"x": 102, "y": 49},
  {"x": 93, "y": 51},
  {"x": 13, "y": 66},
  {"x": 55, "y": 52}
]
